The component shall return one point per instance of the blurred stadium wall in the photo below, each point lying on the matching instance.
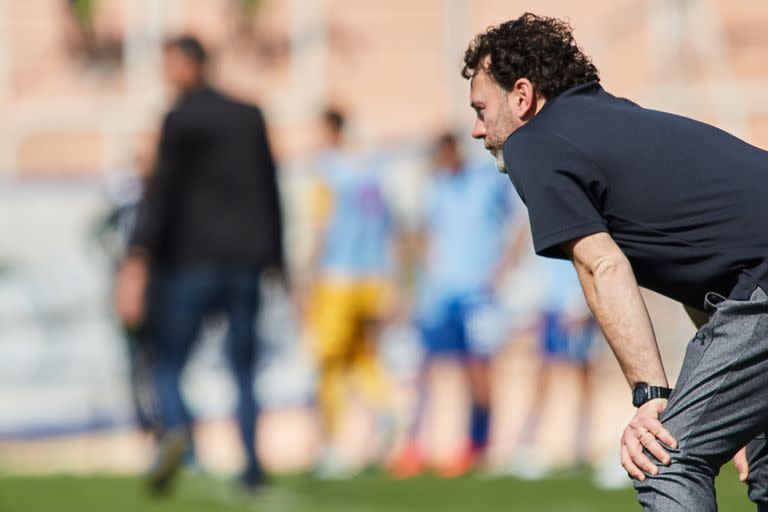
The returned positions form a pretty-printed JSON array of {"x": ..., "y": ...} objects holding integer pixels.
[{"x": 74, "y": 91}]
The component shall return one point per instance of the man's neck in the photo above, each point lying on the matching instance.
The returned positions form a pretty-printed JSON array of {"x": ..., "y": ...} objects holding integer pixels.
[{"x": 193, "y": 88}]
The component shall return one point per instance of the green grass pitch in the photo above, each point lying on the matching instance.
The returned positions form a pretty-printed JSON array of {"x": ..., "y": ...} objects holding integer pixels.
[{"x": 571, "y": 492}]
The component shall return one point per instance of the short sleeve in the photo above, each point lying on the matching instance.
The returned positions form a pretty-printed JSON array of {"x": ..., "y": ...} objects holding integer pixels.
[{"x": 563, "y": 190}]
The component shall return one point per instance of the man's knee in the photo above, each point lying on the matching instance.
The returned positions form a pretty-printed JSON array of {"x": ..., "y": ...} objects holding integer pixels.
[{"x": 681, "y": 486}]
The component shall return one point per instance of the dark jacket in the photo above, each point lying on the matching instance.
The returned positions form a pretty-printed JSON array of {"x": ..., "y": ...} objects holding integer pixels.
[{"x": 213, "y": 197}]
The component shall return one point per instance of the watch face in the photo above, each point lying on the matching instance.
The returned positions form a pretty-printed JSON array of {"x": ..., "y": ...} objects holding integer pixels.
[{"x": 639, "y": 395}]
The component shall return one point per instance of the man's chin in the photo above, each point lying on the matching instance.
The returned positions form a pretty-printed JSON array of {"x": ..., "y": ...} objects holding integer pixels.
[{"x": 499, "y": 157}]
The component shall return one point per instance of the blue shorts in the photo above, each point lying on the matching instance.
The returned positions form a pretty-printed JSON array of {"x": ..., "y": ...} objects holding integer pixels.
[
  {"x": 459, "y": 326},
  {"x": 562, "y": 343}
]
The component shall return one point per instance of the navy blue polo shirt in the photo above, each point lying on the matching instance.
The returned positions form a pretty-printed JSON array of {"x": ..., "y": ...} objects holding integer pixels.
[{"x": 685, "y": 201}]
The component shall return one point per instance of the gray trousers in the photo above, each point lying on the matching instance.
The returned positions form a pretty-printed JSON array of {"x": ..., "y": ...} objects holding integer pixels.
[{"x": 719, "y": 404}]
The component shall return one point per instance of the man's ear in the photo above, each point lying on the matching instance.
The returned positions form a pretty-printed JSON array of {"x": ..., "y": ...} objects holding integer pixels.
[{"x": 522, "y": 99}]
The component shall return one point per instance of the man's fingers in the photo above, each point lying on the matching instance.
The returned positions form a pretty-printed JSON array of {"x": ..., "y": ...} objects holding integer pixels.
[
  {"x": 663, "y": 435},
  {"x": 654, "y": 426},
  {"x": 652, "y": 445},
  {"x": 635, "y": 450},
  {"x": 641, "y": 460},
  {"x": 643, "y": 439},
  {"x": 740, "y": 461},
  {"x": 629, "y": 466}
]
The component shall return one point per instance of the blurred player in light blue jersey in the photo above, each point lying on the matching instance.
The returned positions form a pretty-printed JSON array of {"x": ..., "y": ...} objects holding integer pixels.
[
  {"x": 468, "y": 247},
  {"x": 568, "y": 328},
  {"x": 566, "y": 331},
  {"x": 350, "y": 271}
]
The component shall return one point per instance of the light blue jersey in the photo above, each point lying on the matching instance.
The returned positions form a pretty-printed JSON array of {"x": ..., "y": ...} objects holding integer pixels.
[
  {"x": 562, "y": 287},
  {"x": 359, "y": 233},
  {"x": 466, "y": 219},
  {"x": 467, "y": 216}
]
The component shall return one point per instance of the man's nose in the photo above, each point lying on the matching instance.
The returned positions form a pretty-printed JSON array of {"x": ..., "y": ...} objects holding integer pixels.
[{"x": 478, "y": 131}]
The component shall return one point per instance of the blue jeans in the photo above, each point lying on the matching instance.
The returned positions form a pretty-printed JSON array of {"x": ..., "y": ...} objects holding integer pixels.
[{"x": 179, "y": 301}]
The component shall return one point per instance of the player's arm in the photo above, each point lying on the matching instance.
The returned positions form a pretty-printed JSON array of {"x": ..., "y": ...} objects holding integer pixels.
[
  {"x": 321, "y": 201},
  {"x": 613, "y": 296},
  {"x": 516, "y": 244}
]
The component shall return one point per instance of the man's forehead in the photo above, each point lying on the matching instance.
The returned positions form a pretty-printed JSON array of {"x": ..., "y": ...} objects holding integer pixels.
[
  {"x": 474, "y": 95},
  {"x": 477, "y": 85}
]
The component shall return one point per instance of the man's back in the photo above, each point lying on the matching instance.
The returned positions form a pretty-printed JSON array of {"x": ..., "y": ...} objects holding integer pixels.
[
  {"x": 214, "y": 198},
  {"x": 684, "y": 200}
]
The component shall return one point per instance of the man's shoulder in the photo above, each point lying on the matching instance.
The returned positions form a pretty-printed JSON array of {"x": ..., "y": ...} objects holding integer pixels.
[
  {"x": 238, "y": 103},
  {"x": 215, "y": 100},
  {"x": 244, "y": 106},
  {"x": 536, "y": 141},
  {"x": 537, "y": 153}
]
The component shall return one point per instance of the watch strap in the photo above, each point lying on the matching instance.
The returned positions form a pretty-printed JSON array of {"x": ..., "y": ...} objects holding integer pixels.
[
  {"x": 658, "y": 392},
  {"x": 644, "y": 392}
]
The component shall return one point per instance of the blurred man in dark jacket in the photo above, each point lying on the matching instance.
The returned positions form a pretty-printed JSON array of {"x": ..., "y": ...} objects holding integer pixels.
[{"x": 209, "y": 226}]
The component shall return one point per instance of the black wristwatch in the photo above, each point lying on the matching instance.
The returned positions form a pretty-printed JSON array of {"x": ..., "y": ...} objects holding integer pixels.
[{"x": 643, "y": 392}]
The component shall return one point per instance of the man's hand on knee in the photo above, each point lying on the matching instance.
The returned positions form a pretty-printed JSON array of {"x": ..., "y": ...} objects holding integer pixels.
[{"x": 645, "y": 431}]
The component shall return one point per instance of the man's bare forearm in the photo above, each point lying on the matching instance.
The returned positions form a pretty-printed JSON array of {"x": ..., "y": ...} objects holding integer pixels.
[{"x": 614, "y": 298}]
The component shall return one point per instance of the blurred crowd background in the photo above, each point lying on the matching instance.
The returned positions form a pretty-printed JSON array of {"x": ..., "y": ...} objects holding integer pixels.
[{"x": 82, "y": 99}]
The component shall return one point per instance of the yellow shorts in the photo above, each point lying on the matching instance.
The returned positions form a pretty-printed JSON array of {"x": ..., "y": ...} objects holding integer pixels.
[{"x": 339, "y": 312}]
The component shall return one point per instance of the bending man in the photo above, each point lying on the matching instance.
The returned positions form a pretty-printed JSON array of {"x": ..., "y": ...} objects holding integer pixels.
[{"x": 635, "y": 196}]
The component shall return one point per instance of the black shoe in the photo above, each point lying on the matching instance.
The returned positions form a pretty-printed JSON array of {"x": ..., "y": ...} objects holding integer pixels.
[
  {"x": 253, "y": 480},
  {"x": 170, "y": 455}
]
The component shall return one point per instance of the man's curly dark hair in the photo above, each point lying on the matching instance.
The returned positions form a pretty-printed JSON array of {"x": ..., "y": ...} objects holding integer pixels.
[{"x": 538, "y": 48}]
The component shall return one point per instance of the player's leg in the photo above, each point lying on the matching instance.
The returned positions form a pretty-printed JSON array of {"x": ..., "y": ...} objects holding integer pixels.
[
  {"x": 371, "y": 300},
  {"x": 367, "y": 372},
  {"x": 529, "y": 461},
  {"x": 717, "y": 405},
  {"x": 478, "y": 373},
  {"x": 580, "y": 340},
  {"x": 550, "y": 348},
  {"x": 441, "y": 339},
  {"x": 331, "y": 327},
  {"x": 451, "y": 367},
  {"x": 409, "y": 459},
  {"x": 371, "y": 392},
  {"x": 484, "y": 332},
  {"x": 241, "y": 298}
]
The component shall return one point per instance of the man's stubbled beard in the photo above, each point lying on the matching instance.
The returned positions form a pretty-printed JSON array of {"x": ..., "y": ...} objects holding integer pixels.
[{"x": 495, "y": 146}]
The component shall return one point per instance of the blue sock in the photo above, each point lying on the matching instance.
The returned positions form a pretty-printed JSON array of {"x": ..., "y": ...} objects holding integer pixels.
[{"x": 479, "y": 425}]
